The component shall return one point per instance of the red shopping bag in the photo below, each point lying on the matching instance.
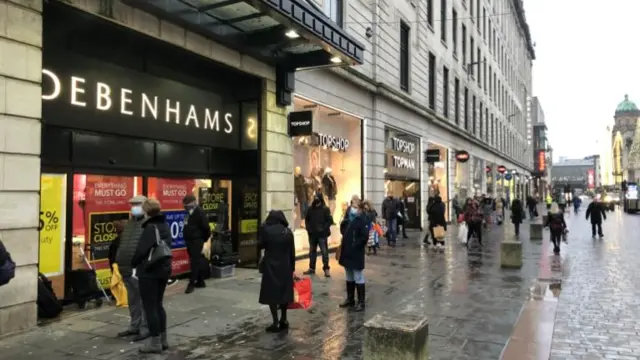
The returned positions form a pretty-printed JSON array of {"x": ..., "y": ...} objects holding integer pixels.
[
  {"x": 302, "y": 297},
  {"x": 460, "y": 218}
]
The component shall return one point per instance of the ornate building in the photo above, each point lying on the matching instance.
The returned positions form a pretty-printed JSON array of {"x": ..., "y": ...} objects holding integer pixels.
[{"x": 626, "y": 141}]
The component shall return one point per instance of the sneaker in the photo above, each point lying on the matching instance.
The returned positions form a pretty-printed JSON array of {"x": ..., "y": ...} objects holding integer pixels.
[
  {"x": 309, "y": 272},
  {"x": 172, "y": 282},
  {"x": 327, "y": 274}
]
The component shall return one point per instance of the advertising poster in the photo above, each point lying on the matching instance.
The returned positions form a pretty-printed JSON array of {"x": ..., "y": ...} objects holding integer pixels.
[
  {"x": 591, "y": 181},
  {"x": 102, "y": 232},
  {"x": 214, "y": 202},
  {"x": 170, "y": 192},
  {"x": 248, "y": 222},
  {"x": 52, "y": 223}
]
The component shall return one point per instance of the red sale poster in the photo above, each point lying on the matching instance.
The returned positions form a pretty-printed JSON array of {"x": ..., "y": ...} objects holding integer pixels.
[{"x": 170, "y": 192}]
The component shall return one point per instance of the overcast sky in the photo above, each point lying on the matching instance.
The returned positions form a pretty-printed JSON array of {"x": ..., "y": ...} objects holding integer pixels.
[{"x": 587, "y": 59}]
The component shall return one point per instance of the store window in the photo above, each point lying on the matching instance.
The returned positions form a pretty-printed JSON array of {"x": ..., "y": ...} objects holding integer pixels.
[
  {"x": 478, "y": 172},
  {"x": 402, "y": 172},
  {"x": 438, "y": 175},
  {"x": 52, "y": 229},
  {"x": 461, "y": 176},
  {"x": 328, "y": 161},
  {"x": 490, "y": 170}
]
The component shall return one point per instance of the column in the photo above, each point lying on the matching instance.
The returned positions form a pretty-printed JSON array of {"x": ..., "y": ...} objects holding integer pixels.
[
  {"x": 20, "y": 113},
  {"x": 276, "y": 156}
]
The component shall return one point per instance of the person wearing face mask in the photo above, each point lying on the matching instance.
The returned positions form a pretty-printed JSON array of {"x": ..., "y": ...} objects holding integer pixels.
[
  {"x": 355, "y": 236},
  {"x": 196, "y": 232},
  {"x": 129, "y": 238}
]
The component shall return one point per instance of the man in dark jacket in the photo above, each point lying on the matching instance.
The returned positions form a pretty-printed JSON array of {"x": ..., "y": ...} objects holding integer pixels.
[
  {"x": 595, "y": 210},
  {"x": 390, "y": 214},
  {"x": 196, "y": 232},
  {"x": 318, "y": 224},
  {"x": 402, "y": 219},
  {"x": 129, "y": 239}
]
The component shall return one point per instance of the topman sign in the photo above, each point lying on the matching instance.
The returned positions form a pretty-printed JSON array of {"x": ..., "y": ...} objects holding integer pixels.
[{"x": 91, "y": 95}]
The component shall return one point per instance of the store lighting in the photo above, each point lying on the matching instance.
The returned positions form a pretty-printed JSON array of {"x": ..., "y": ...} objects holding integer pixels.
[
  {"x": 292, "y": 34},
  {"x": 336, "y": 60}
]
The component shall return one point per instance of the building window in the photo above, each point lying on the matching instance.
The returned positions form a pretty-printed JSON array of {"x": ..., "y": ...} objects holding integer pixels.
[
  {"x": 473, "y": 114},
  {"x": 491, "y": 129},
  {"x": 481, "y": 118},
  {"x": 485, "y": 131},
  {"x": 484, "y": 74},
  {"x": 432, "y": 81},
  {"x": 456, "y": 101},
  {"x": 443, "y": 20},
  {"x": 478, "y": 12},
  {"x": 471, "y": 9},
  {"x": 445, "y": 92},
  {"x": 404, "y": 56},
  {"x": 490, "y": 28},
  {"x": 490, "y": 83},
  {"x": 430, "y": 13},
  {"x": 464, "y": 45},
  {"x": 484, "y": 24},
  {"x": 454, "y": 31},
  {"x": 469, "y": 66},
  {"x": 478, "y": 59},
  {"x": 466, "y": 109},
  {"x": 334, "y": 9}
]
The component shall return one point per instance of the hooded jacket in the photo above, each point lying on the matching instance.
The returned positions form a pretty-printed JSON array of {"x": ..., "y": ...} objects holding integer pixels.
[
  {"x": 279, "y": 261},
  {"x": 318, "y": 220},
  {"x": 148, "y": 240}
]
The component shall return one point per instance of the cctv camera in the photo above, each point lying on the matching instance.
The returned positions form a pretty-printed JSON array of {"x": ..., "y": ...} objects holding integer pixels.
[{"x": 369, "y": 32}]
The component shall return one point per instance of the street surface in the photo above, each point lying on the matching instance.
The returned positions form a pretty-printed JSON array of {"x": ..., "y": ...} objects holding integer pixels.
[{"x": 473, "y": 306}]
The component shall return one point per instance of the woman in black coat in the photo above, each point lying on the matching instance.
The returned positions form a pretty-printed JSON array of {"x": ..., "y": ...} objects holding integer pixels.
[
  {"x": 153, "y": 279},
  {"x": 437, "y": 218},
  {"x": 355, "y": 235},
  {"x": 517, "y": 214},
  {"x": 277, "y": 267}
]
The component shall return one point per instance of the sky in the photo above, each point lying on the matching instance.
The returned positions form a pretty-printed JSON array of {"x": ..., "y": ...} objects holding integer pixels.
[{"x": 587, "y": 59}]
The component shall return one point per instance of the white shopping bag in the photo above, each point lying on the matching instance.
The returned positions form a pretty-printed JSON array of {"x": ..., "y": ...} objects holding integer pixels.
[{"x": 463, "y": 230}]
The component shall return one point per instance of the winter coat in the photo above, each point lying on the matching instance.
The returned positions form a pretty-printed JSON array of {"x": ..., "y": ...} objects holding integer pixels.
[
  {"x": 531, "y": 203},
  {"x": 487, "y": 207},
  {"x": 556, "y": 223},
  {"x": 517, "y": 212},
  {"x": 402, "y": 211},
  {"x": 329, "y": 186},
  {"x": 196, "y": 231},
  {"x": 437, "y": 214},
  {"x": 595, "y": 210},
  {"x": 279, "y": 261},
  {"x": 318, "y": 220},
  {"x": 472, "y": 214},
  {"x": 128, "y": 244},
  {"x": 390, "y": 208},
  {"x": 355, "y": 235},
  {"x": 300, "y": 188},
  {"x": 148, "y": 240}
]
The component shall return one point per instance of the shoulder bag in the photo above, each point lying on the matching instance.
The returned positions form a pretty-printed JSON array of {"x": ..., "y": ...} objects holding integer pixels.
[{"x": 158, "y": 252}]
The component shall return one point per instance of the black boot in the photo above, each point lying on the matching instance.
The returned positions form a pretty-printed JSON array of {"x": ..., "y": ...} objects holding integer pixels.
[
  {"x": 361, "y": 297},
  {"x": 351, "y": 289}
]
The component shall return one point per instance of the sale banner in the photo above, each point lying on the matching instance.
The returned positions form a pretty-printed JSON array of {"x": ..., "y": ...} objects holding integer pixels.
[
  {"x": 170, "y": 192},
  {"x": 108, "y": 193},
  {"x": 52, "y": 224},
  {"x": 102, "y": 232},
  {"x": 180, "y": 263},
  {"x": 175, "y": 220}
]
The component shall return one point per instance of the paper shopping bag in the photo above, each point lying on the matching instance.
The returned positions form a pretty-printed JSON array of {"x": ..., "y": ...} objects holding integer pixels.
[
  {"x": 301, "y": 294},
  {"x": 438, "y": 232}
]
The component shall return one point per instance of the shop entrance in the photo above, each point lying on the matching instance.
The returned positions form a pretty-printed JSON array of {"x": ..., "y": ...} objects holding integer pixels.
[{"x": 409, "y": 192}]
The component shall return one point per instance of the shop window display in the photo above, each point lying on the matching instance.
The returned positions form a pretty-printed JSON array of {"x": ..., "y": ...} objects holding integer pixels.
[
  {"x": 329, "y": 162},
  {"x": 438, "y": 176}
]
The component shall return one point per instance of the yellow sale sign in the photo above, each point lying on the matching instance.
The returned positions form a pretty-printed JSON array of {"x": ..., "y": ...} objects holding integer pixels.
[{"x": 52, "y": 223}]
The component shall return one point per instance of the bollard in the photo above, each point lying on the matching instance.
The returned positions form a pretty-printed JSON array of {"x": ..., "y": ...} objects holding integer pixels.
[
  {"x": 397, "y": 337},
  {"x": 511, "y": 254},
  {"x": 535, "y": 230}
]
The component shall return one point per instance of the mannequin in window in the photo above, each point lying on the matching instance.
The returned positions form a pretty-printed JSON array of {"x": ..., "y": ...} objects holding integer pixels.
[
  {"x": 330, "y": 188},
  {"x": 300, "y": 189}
]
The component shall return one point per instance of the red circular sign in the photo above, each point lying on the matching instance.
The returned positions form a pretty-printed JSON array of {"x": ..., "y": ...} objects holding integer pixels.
[
  {"x": 501, "y": 169},
  {"x": 487, "y": 169},
  {"x": 462, "y": 156}
]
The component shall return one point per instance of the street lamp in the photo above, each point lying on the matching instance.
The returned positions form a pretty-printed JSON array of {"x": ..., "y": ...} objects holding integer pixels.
[{"x": 469, "y": 65}]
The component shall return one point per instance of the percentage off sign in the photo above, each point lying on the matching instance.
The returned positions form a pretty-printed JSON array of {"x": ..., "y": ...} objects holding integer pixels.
[{"x": 51, "y": 218}]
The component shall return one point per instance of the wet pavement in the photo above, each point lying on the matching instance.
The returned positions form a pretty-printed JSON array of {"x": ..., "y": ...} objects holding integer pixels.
[
  {"x": 471, "y": 303},
  {"x": 598, "y": 315}
]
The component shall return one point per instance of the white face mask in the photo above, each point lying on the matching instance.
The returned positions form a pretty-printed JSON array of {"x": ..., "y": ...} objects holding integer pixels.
[{"x": 137, "y": 210}]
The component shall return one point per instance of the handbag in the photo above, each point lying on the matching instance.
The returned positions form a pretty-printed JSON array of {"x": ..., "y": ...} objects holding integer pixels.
[
  {"x": 438, "y": 232},
  {"x": 159, "y": 252},
  {"x": 302, "y": 295}
]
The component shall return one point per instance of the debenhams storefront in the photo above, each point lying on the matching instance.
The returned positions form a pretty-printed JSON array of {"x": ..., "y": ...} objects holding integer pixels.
[{"x": 126, "y": 114}]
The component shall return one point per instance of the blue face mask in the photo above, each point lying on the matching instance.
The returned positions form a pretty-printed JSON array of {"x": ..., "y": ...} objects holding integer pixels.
[{"x": 137, "y": 211}]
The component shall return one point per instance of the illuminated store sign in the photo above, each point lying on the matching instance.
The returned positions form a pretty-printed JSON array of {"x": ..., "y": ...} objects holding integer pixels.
[
  {"x": 402, "y": 155},
  {"x": 333, "y": 142}
]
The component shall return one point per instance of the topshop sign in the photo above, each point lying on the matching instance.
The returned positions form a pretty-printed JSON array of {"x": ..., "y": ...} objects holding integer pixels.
[
  {"x": 401, "y": 158},
  {"x": 91, "y": 95}
]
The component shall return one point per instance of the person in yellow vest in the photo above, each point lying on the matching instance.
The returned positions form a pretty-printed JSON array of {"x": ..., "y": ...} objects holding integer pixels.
[{"x": 549, "y": 201}]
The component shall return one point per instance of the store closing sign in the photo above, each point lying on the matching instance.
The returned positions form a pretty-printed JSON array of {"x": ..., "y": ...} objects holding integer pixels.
[
  {"x": 215, "y": 205},
  {"x": 52, "y": 224}
]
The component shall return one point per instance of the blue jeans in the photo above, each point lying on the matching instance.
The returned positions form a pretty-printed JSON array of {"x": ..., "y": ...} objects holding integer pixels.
[
  {"x": 392, "y": 230},
  {"x": 356, "y": 276}
]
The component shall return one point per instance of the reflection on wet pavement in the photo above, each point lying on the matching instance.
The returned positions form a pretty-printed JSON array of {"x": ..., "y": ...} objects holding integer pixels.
[{"x": 472, "y": 305}]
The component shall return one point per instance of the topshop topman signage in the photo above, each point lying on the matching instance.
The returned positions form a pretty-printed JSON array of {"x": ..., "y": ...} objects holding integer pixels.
[
  {"x": 402, "y": 156},
  {"x": 87, "y": 94}
]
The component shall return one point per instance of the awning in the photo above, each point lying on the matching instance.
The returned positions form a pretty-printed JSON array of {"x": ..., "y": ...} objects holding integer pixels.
[{"x": 294, "y": 34}]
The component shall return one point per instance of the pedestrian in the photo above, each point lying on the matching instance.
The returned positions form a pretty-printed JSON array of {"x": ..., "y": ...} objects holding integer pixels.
[
  {"x": 402, "y": 216},
  {"x": 129, "y": 238},
  {"x": 595, "y": 210},
  {"x": 562, "y": 203},
  {"x": 390, "y": 208},
  {"x": 7, "y": 265},
  {"x": 372, "y": 219},
  {"x": 473, "y": 218},
  {"x": 455, "y": 203},
  {"x": 153, "y": 277},
  {"x": 355, "y": 234},
  {"x": 437, "y": 218},
  {"x": 557, "y": 226},
  {"x": 115, "y": 243},
  {"x": 277, "y": 267},
  {"x": 318, "y": 223},
  {"x": 549, "y": 200},
  {"x": 425, "y": 240},
  {"x": 196, "y": 232},
  {"x": 499, "y": 211},
  {"x": 576, "y": 204},
  {"x": 532, "y": 204},
  {"x": 517, "y": 215},
  {"x": 487, "y": 209}
]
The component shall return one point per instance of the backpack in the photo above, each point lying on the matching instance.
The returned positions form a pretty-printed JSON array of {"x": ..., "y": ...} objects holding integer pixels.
[
  {"x": 555, "y": 223},
  {"x": 7, "y": 266}
]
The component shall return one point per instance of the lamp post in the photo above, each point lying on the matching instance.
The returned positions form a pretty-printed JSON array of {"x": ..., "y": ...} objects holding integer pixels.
[{"x": 469, "y": 65}]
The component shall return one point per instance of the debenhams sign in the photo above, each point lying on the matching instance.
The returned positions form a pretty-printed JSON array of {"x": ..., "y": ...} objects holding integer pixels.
[{"x": 91, "y": 95}]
